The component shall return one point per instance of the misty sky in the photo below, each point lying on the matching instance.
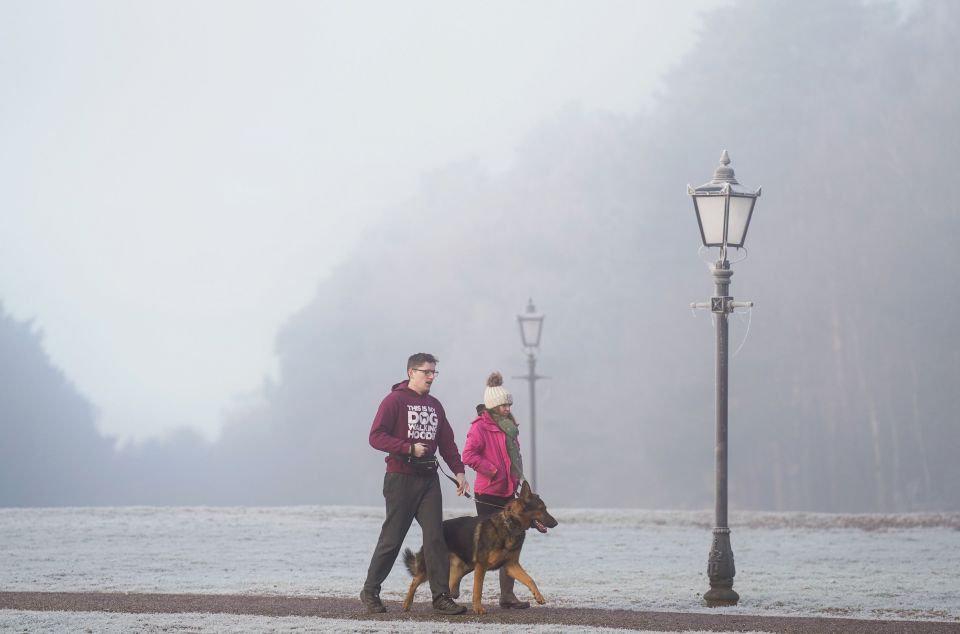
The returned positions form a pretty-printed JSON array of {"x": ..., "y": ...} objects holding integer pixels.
[{"x": 177, "y": 177}]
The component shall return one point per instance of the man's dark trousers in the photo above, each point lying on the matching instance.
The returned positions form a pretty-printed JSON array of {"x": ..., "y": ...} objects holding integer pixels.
[{"x": 409, "y": 497}]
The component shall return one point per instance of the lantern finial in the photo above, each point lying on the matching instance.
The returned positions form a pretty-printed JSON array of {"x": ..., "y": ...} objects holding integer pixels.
[
  {"x": 723, "y": 208},
  {"x": 724, "y": 173}
]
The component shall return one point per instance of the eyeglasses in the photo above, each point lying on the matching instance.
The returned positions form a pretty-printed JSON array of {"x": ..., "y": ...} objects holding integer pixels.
[{"x": 427, "y": 372}]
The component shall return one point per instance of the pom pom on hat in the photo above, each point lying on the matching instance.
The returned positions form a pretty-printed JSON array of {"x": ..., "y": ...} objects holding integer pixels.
[{"x": 496, "y": 394}]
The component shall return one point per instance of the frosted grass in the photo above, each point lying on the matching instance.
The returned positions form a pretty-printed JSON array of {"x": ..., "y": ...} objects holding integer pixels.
[{"x": 866, "y": 566}]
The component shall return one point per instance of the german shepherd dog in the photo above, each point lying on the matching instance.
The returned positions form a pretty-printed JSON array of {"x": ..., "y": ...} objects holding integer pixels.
[{"x": 480, "y": 544}]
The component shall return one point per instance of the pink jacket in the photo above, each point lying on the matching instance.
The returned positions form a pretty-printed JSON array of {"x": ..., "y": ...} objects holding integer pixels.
[{"x": 486, "y": 453}]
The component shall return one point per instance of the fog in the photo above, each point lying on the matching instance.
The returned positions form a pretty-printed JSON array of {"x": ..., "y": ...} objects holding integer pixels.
[
  {"x": 176, "y": 178},
  {"x": 841, "y": 397}
]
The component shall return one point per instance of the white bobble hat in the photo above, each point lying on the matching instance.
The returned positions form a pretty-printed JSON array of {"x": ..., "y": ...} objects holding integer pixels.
[{"x": 496, "y": 394}]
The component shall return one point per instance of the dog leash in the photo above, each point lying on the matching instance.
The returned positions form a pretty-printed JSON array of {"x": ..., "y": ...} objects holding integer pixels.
[
  {"x": 496, "y": 506},
  {"x": 467, "y": 495},
  {"x": 454, "y": 480}
]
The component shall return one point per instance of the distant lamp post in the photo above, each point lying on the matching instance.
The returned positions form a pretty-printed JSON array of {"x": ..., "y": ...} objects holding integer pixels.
[
  {"x": 724, "y": 208},
  {"x": 531, "y": 326}
]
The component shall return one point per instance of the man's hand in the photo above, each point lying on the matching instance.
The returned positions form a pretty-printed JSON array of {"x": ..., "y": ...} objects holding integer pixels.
[
  {"x": 462, "y": 485},
  {"x": 419, "y": 449}
]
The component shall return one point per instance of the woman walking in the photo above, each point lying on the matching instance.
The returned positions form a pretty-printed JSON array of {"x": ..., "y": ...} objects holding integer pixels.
[{"x": 493, "y": 451}]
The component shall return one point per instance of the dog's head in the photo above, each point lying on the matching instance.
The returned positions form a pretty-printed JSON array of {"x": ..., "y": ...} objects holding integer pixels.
[{"x": 530, "y": 510}]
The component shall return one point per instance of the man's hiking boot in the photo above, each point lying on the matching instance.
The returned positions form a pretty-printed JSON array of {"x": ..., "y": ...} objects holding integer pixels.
[
  {"x": 445, "y": 605},
  {"x": 372, "y": 602}
]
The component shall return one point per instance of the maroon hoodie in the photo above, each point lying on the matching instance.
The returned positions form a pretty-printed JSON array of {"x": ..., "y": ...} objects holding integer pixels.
[{"x": 406, "y": 418}]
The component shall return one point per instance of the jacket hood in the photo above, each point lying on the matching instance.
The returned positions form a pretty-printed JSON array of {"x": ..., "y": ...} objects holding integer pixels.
[
  {"x": 399, "y": 386},
  {"x": 485, "y": 419}
]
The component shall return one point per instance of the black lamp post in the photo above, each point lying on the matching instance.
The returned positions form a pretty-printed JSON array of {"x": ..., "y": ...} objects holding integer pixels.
[
  {"x": 531, "y": 326},
  {"x": 724, "y": 208}
]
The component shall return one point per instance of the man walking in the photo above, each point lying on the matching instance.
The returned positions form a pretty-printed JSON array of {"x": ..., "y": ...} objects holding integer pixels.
[{"x": 411, "y": 426}]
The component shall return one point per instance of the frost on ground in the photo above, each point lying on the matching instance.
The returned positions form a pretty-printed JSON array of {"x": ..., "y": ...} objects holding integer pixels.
[
  {"x": 58, "y": 622},
  {"x": 864, "y": 566}
]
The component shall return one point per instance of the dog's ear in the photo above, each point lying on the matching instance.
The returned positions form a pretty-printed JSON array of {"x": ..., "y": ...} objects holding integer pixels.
[{"x": 525, "y": 489}]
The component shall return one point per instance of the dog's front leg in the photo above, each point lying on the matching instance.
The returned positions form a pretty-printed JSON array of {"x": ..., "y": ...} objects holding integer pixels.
[
  {"x": 478, "y": 572},
  {"x": 515, "y": 570}
]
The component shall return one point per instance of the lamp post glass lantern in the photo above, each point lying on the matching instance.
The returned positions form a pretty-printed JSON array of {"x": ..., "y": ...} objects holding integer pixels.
[
  {"x": 531, "y": 327},
  {"x": 724, "y": 209}
]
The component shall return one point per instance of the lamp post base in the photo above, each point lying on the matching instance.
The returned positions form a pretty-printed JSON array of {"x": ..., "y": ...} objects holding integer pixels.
[
  {"x": 717, "y": 597},
  {"x": 721, "y": 570}
]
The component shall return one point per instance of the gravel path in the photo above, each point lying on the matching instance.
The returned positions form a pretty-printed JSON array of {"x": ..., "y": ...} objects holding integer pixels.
[{"x": 339, "y": 608}]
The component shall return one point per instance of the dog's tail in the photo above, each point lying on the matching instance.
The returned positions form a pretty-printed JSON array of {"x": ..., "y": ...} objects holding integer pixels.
[{"x": 414, "y": 562}]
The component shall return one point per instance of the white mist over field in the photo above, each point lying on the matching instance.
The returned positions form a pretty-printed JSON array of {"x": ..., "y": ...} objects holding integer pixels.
[
  {"x": 225, "y": 229},
  {"x": 178, "y": 179},
  {"x": 864, "y": 566}
]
